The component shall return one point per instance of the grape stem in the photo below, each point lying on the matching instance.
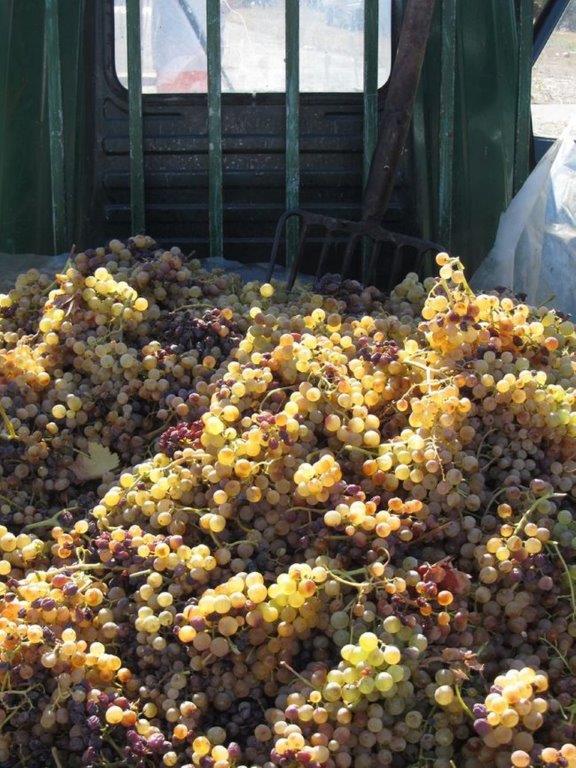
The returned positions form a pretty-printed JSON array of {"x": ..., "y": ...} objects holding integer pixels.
[
  {"x": 162, "y": 427},
  {"x": 483, "y": 441},
  {"x": 56, "y": 757},
  {"x": 49, "y": 520},
  {"x": 80, "y": 567},
  {"x": 423, "y": 367},
  {"x": 560, "y": 655},
  {"x": 11, "y": 715},
  {"x": 196, "y": 305},
  {"x": 425, "y": 729},
  {"x": 113, "y": 744},
  {"x": 371, "y": 454},
  {"x": 524, "y": 519},
  {"x": 431, "y": 531},
  {"x": 11, "y": 502},
  {"x": 197, "y": 510},
  {"x": 137, "y": 574},
  {"x": 304, "y": 509},
  {"x": 494, "y": 497},
  {"x": 556, "y": 549},
  {"x": 296, "y": 674},
  {"x": 356, "y": 584},
  {"x": 571, "y": 710},
  {"x": 353, "y": 572},
  {"x": 11, "y": 432},
  {"x": 273, "y": 391},
  {"x": 462, "y": 703}
]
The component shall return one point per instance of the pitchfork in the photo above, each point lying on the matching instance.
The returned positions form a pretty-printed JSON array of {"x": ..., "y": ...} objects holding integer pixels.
[{"x": 394, "y": 125}]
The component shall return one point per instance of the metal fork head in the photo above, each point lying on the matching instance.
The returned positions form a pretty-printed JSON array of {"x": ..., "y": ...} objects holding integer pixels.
[{"x": 353, "y": 234}]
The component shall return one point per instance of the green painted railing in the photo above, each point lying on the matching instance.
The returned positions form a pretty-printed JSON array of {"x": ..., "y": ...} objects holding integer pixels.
[
  {"x": 370, "y": 111},
  {"x": 292, "y": 27},
  {"x": 6, "y": 20},
  {"x": 135, "y": 129},
  {"x": 447, "y": 104},
  {"x": 214, "y": 127},
  {"x": 55, "y": 125}
]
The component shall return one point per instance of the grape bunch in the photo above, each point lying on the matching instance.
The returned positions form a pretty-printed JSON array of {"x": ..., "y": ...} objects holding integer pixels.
[
  {"x": 213, "y": 335},
  {"x": 179, "y": 436},
  {"x": 247, "y": 528}
]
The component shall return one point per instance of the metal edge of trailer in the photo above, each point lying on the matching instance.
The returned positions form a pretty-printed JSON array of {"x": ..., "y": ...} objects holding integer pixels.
[
  {"x": 523, "y": 97},
  {"x": 544, "y": 27},
  {"x": 546, "y": 24}
]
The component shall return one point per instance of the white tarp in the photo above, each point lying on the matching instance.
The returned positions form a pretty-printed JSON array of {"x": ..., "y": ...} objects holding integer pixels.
[
  {"x": 11, "y": 265},
  {"x": 535, "y": 248}
]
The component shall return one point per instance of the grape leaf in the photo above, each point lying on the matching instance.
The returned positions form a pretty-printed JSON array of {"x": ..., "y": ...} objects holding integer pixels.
[
  {"x": 462, "y": 657},
  {"x": 95, "y": 463}
]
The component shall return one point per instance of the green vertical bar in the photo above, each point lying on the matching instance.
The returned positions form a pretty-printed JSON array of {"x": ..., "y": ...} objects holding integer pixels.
[
  {"x": 135, "y": 116},
  {"x": 73, "y": 94},
  {"x": 6, "y": 17},
  {"x": 214, "y": 126},
  {"x": 55, "y": 124},
  {"x": 446, "y": 140},
  {"x": 292, "y": 124},
  {"x": 370, "y": 102},
  {"x": 522, "y": 137},
  {"x": 420, "y": 165}
]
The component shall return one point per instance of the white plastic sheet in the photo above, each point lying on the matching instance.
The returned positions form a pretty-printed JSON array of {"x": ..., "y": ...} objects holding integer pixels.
[
  {"x": 12, "y": 265},
  {"x": 535, "y": 248}
]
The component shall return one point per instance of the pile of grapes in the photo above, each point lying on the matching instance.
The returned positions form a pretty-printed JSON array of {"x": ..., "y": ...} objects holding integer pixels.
[{"x": 325, "y": 529}]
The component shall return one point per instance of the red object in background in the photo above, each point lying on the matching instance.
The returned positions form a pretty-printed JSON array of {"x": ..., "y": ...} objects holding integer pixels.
[{"x": 184, "y": 81}]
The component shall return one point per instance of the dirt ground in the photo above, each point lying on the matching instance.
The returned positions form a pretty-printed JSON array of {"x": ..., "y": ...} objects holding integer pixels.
[{"x": 554, "y": 84}]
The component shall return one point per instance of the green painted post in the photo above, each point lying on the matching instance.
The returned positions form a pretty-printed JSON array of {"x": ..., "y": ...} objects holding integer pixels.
[
  {"x": 135, "y": 116},
  {"x": 420, "y": 166},
  {"x": 370, "y": 103},
  {"x": 74, "y": 138},
  {"x": 446, "y": 139},
  {"x": 522, "y": 137},
  {"x": 292, "y": 124},
  {"x": 214, "y": 127},
  {"x": 6, "y": 17},
  {"x": 55, "y": 125}
]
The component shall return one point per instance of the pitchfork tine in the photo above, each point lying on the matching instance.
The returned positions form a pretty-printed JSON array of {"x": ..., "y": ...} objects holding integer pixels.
[
  {"x": 299, "y": 255},
  {"x": 394, "y": 264},
  {"x": 374, "y": 256},
  {"x": 277, "y": 240},
  {"x": 420, "y": 257},
  {"x": 349, "y": 252},
  {"x": 326, "y": 245}
]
